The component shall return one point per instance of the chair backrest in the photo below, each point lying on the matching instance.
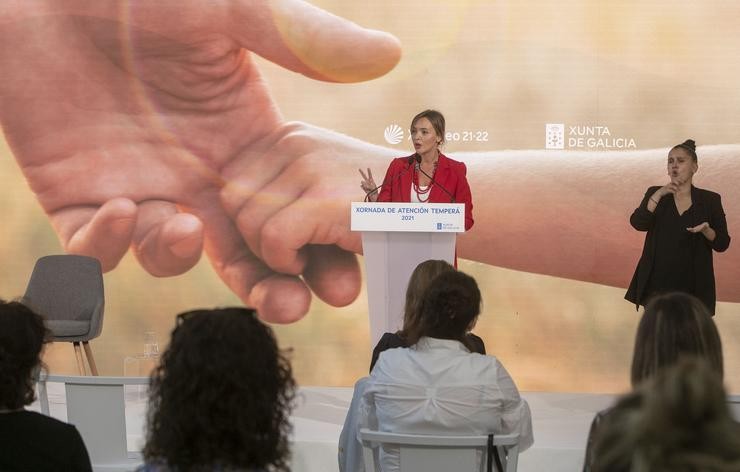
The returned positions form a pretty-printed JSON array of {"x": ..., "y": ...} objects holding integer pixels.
[
  {"x": 68, "y": 291},
  {"x": 96, "y": 406},
  {"x": 437, "y": 453},
  {"x": 733, "y": 402}
]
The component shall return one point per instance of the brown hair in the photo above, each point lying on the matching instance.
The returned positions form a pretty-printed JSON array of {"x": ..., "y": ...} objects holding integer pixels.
[
  {"x": 451, "y": 303},
  {"x": 674, "y": 325},
  {"x": 420, "y": 279},
  {"x": 436, "y": 119},
  {"x": 677, "y": 420},
  {"x": 689, "y": 146}
]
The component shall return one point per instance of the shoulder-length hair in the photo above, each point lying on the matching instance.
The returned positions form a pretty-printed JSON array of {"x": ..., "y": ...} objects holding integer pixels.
[
  {"x": 221, "y": 396},
  {"x": 450, "y": 304},
  {"x": 678, "y": 419},
  {"x": 674, "y": 325},
  {"x": 420, "y": 279}
]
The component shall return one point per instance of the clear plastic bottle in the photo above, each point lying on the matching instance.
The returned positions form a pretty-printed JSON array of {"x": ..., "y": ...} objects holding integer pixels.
[
  {"x": 151, "y": 346},
  {"x": 150, "y": 357},
  {"x": 141, "y": 365}
]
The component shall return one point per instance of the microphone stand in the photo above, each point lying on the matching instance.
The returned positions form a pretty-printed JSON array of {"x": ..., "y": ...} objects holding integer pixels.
[{"x": 409, "y": 160}]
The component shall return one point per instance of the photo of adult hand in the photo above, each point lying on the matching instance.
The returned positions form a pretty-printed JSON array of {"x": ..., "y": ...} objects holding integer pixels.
[{"x": 146, "y": 125}]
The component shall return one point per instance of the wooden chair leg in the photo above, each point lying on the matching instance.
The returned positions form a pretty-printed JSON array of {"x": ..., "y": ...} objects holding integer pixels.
[
  {"x": 90, "y": 358},
  {"x": 78, "y": 356}
]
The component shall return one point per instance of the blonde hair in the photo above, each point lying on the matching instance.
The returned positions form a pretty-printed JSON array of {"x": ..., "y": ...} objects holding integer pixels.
[{"x": 436, "y": 119}]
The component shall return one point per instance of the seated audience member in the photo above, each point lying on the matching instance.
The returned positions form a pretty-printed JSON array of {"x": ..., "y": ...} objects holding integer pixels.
[
  {"x": 437, "y": 386},
  {"x": 423, "y": 274},
  {"x": 349, "y": 451},
  {"x": 674, "y": 325},
  {"x": 220, "y": 399},
  {"x": 678, "y": 420},
  {"x": 30, "y": 441}
]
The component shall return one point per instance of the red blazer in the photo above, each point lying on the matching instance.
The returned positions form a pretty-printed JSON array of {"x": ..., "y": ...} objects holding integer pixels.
[{"x": 450, "y": 175}]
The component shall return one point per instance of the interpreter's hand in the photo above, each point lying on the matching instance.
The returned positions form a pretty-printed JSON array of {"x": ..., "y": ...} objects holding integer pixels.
[
  {"x": 701, "y": 228},
  {"x": 678, "y": 181},
  {"x": 669, "y": 188},
  {"x": 129, "y": 119},
  {"x": 368, "y": 185}
]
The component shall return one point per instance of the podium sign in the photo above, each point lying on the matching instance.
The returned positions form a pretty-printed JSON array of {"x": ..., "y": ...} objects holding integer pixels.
[
  {"x": 413, "y": 217},
  {"x": 396, "y": 237}
]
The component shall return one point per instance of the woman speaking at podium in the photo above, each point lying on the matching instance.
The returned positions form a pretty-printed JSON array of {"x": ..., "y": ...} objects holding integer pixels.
[{"x": 425, "y": 176}]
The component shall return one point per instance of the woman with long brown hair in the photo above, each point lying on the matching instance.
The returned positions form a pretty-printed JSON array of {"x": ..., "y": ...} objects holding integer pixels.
[{"x": 420, "y": 279}]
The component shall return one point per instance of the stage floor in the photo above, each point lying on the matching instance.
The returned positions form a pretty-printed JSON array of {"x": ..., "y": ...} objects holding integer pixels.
[{"x": 560, "y": 422}]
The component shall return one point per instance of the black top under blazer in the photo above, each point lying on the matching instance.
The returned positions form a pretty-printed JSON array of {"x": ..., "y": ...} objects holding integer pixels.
[{"x": 706, "y": 206}]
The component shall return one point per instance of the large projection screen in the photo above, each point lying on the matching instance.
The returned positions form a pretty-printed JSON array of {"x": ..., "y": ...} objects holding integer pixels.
[{"x": 563, "y": 112}]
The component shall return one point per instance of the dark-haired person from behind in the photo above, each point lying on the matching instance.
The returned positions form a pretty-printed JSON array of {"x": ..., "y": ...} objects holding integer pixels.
[
  {"x": 684, "y": 224},
  {"x": 221, "y": 397},
  {"x": 420, "y": 279},
  {"x": 678, "y": 420},
  {"x": 30, "y": 441},
  {"x": 674, "y": 326},
  {"x": 437, "y": 386}
]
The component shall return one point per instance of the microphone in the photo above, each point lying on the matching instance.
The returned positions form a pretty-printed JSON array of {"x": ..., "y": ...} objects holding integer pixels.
[
  {"x": 418, "y": 167},
  {"x": 409, "y": 160}
]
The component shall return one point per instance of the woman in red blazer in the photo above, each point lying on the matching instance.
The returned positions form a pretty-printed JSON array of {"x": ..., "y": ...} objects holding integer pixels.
[{"x": 427, "y": 175}]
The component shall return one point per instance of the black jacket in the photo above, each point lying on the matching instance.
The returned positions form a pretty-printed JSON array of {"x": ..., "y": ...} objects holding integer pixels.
[{"x": 706, "y": 206}]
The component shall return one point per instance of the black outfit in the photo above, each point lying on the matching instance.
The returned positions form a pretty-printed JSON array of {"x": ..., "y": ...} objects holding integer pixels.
[
  {"x": 674, "y": 259},
  {"x": 30, "y": 441},
  {"x": 598, "y": 420},
  {"x": 392, "y": 340}
]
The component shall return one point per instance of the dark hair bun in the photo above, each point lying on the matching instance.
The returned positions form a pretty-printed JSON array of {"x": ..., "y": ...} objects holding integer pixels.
[{"x": 689, "y": 144}]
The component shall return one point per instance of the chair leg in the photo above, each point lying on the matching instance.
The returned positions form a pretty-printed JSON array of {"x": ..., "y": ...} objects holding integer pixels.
[
  {"x": 78, "y": 356},
  {"x": 90, "y": 358}
]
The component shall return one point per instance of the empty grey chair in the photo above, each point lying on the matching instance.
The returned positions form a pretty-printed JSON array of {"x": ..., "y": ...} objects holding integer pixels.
[{"x": 68, "y": 291}]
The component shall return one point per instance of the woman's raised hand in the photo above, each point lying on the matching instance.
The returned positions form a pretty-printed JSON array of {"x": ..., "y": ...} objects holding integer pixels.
[{"x": 368, "y": 185}]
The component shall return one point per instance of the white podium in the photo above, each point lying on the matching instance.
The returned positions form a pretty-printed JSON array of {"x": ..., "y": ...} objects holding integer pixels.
[{"x": 396, "y": 237}]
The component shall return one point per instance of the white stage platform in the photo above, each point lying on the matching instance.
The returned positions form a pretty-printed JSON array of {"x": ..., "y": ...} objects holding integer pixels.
[{"x": 560, "y": 421}]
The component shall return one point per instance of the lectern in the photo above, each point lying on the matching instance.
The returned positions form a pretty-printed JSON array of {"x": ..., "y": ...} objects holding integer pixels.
[{"x": 396, "y": 237}]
